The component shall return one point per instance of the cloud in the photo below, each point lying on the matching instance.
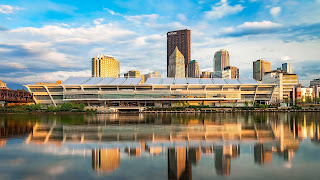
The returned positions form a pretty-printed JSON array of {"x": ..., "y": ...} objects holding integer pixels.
[
  {"x": 7, "y": 9},
  {"x": 3, "y": 28},
  {"x": 112, "y": 12},
  {"x": 275, "y": 11},
  {"x": 285, "y": 58},
  {"x": 223, "y": 9},
  {"x": 182, "y": 17},
  {"x": 141, "y": 18},
  {"x": 251, "y": 28},
  {"x": 17, "y": 65},
  {"x": 98, "y": 21},
  {"x": 48, "y": 76}
]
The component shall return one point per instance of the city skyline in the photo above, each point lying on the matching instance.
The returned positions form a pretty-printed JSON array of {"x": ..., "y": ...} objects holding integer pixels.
[{"x": 64, "y": 37}]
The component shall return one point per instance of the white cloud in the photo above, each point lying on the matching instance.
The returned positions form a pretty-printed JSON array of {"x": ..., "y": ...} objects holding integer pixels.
[
  {"x": 259, "y": 25},
  {"x": 275, "y": 11},
  {"x": 182, "y": 17},
  {"x": 98, "y": 21},
  {"x": 7, "y": 9},
  {"x": 49, "y": 76},
  {"x": 141, "y": 18},
  {"x": 112, "y": 12},
  {"x": 223, "y": 9},
  {"x": 285, "y": 58},
  {"x": 17, "y": 65}
]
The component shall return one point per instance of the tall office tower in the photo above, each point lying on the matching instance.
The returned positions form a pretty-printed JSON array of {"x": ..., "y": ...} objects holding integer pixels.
[
  {"x": 234, "y": 71},
  {"x": 132, "y": 74},
  {"x": 221, "y": 60},
  {"x": 176, "y": 67},
  {"x": 105, "y": 66},
  {"x": 260, "y": 67},
  {"x": 286, "y": 67},
  {"x": 182, "y": 40},
  {"x": 193, "y": 69}
]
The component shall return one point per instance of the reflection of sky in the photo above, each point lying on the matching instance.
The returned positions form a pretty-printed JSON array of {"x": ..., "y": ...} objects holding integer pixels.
[{"x": 32, "y": 161}]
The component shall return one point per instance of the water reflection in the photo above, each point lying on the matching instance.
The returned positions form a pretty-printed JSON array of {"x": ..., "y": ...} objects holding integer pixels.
[{"x": 183, "y": 144}]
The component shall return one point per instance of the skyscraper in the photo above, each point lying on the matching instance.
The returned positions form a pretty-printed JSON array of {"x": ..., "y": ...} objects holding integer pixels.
[
  {"x": 180, "y": 39},
  {"x": 234, "y": 71},
  {"x": 221, "y": 60},
  {"x": 176, "y": 67},
  {"x": 286, "y": 67},
  {"x": 193, "y": 69},
  {"x": 260, "y": 67},
  {"x": 105, "y": 66}
]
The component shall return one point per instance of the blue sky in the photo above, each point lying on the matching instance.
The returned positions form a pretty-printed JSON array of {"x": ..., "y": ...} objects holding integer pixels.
[{"x": 45, "y": 41}]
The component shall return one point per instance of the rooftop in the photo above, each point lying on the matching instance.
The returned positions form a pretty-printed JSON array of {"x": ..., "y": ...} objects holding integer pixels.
[{"x": 155, "y": 81}]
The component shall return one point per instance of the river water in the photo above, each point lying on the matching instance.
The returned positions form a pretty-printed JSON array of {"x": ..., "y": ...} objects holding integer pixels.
[{"x": 160, "y": 146}]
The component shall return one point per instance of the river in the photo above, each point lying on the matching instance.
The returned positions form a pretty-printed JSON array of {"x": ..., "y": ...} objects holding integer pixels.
[{"x": 160, "y": 146}]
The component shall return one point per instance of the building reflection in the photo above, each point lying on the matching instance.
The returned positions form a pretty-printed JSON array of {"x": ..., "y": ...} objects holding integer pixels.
[
  {"x": 223, "y": 157},
  {"x": 279, "y": 137},
  {"x": 105, "y": 160},
  {"x": 179, "y": 165},
  {"x": 262, "y": 155}
]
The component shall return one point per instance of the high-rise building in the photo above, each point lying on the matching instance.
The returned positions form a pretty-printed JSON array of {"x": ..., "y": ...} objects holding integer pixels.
[
  {"x": 105, "y": 66},
  {"x": 176, "y": 67},
  {"x": 193, "y": 69},
  {"x": 206, "y": 74},
  {"x": 132, "y": 74},
  {"x": 234, "y": 71},
  {"x": 260, "y": 67},
  {"x": 286, "y": 67},
  {"x": 221, "y": 60},
  {"x": 182, "y": 40}
]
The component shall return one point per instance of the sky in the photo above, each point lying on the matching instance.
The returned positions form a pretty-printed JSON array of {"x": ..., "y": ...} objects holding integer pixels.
[{"x": 50, "y": 40}]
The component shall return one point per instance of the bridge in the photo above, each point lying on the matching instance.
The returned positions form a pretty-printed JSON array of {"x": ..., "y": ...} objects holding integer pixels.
[{"x": 15, "y": 96}]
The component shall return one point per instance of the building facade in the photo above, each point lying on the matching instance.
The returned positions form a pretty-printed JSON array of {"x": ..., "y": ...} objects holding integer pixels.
[
  {"x": 3, "y": 85},
  {"x": 154, "y": 74},
  {"x": 158, "y": 92},
  {"x": 132, "y": 74},
  {"x": 176, "y": 67},
  {"x": 315, "y": 84},
  {"x": 105, "y": 66},
  {"x": 225, "y": 74},
  {"x": 285, "y": 86},
  {"x": 206, "y": 74},
  {"x": 221, "y": 60},
  {"x": 234, "y": 71},
  {"x": 304, "y": 94},
  {"x": 193, "y": 69},
  {"x": 182, "y": 40},
  {"x": 286, "y": 67},
  {"x": 260, "y": 67}
]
